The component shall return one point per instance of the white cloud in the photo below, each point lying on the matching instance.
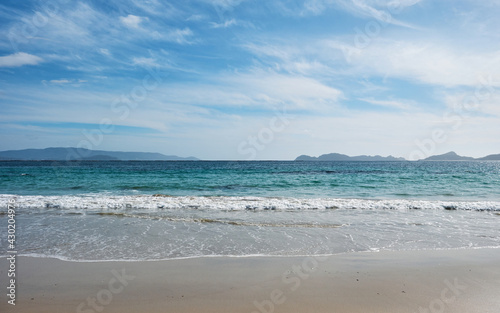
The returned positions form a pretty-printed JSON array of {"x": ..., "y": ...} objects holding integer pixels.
[
  {"x": 397, "y": 104},
  {"x": 131, "y": 21},
  {"x": 19, "y": 59},
  {"x": 232, "y": 22},
  {"x": 64, "y": 81},
  {"x": 224, "y": 24},
  {"x": 59, "y": 81}
]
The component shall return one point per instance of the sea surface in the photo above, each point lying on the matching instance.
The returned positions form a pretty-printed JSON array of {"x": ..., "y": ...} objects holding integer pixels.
[{"x": 154, "y": 210}]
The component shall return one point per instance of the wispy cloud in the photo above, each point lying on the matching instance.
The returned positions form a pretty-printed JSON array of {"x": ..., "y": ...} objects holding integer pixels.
[
  {"x": 224, "y": 24},
  {"x": 396, "y": 104},
  {"x": 292, "y": 58},
  {"x": 163, "y": 9},
  {"x": 19, "y": 59},
  {"x": 180, "y": 36},
  {"x": 105, "y": 51},
  {"x": 196, "y": 18},
  {"x": 226, "y": 4},
  {"x": 257, "y": 89},
  {"x": 381, "y": 11},
  {"x": 59, "y": 81},
  {"x": 232, "y": 22},
  {"x": 64, "y": 81},
  {"x": 426, "y": 62},
  {"x": 142, "y": 61}
]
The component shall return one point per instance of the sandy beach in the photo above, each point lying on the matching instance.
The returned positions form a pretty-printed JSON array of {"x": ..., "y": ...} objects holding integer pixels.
[{"x": 408, "y": 281}]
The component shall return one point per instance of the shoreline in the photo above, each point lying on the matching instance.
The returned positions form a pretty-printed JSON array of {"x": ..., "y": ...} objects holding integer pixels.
[
  {"x": 256, "y": 256},
  {"x": 387, "y": 281}
]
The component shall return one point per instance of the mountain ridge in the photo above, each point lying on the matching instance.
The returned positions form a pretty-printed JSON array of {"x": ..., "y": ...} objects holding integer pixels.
[
  {"x": 491, "y": 157},
  {"x": 450, "y": 156},
  {"x": 82, "y": 154},
  {"x": 344, "y": 157}
]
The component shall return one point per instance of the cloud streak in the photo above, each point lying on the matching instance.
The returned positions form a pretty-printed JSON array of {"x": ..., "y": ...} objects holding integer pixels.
[{"x": 381, "y": 11}]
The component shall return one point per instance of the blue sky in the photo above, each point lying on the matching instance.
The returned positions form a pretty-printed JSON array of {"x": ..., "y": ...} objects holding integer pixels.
[{"x": 234, "y": 79}]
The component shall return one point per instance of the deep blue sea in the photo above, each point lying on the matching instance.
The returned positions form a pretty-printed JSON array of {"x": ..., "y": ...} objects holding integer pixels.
[{"x": 150, "y": 210}]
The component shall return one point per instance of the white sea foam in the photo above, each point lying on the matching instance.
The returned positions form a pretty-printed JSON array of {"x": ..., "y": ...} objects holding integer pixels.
[
  {"x": 155, "y": 203},
  {"x": 102, "y": 227}
]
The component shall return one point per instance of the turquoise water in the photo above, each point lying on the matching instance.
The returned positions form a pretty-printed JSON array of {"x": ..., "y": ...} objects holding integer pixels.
[
  {"x": 115, "y": 210},
  {"x": 366, "y": 180}
]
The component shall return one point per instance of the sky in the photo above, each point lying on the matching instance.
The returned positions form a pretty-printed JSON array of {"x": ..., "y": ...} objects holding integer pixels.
[{"x": 252, "y": 80}]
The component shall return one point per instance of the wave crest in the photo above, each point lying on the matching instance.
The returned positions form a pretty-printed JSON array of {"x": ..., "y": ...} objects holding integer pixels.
[{"x": 158, "y": 203}]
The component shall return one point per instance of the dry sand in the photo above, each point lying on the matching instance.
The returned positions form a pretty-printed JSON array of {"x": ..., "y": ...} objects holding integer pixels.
[{"x": 413, "y": 281}]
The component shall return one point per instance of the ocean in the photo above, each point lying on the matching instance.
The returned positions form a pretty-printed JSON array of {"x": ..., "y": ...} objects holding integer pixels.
[{"x": 156, "y": 210}]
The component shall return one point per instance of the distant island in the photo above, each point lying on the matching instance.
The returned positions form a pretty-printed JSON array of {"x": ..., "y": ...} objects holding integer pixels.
[
  {"x": 81, "y": 154},
  {"x": 344, "y": 157},
  {"x": 450, "y": 156}
]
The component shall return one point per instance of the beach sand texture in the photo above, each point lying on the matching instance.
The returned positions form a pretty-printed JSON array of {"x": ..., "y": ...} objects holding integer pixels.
[{"x": 405, "y": 281}]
